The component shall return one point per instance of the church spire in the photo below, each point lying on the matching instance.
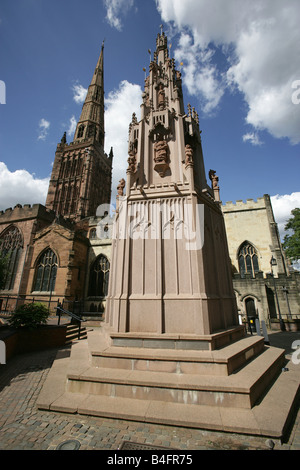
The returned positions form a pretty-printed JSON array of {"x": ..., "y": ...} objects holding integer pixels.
[
  {"x": 81, "y": 173},
  {"x": 91, "y": 122}
]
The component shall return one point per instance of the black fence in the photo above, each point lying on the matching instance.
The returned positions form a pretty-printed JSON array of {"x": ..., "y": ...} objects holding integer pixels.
[{"x": 83, "y": 307}]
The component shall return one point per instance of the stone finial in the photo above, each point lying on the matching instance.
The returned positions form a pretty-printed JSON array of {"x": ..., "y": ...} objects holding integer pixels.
[
  {"x": 64, "y": 138},
  {"x": 215, "y": 184},
  {"x": 121, "y": 187},
  {"x": 134, "y": 119},
  {"x": 214, "y": 179}
]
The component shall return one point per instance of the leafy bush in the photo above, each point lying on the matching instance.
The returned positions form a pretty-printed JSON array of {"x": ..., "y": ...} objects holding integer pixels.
[{"x": 29, "y": 316}]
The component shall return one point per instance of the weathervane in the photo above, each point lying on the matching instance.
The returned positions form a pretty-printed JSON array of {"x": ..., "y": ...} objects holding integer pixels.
[{"x": 161, "y": 29}]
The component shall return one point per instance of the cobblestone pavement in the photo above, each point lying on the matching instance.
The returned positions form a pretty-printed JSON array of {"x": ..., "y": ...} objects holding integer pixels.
[{"x": 24, "y": 427}]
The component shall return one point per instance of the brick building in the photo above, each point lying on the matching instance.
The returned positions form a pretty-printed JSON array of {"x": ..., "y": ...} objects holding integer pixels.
[
  {"x": 264, "y": 284},
  {"x": 48, "y": 247}
]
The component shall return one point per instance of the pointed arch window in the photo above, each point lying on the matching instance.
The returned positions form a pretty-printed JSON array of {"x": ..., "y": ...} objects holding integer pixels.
[
  {"x": 80, "y": 132},
  {"x": 99, "y": 276},
  {"x": 46, "y": 270},
  {"x": 248, "y": 260},
  {"x": 11, "y": 246}
]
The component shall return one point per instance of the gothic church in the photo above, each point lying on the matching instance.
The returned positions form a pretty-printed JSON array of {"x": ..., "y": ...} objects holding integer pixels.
[{"x": 55, "y": 253}]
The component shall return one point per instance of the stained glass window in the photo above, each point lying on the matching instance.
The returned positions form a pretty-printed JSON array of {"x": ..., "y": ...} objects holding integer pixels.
[
  {"x": 46, "y": 271},
  {"x": 99, "y": 276},
  {"x": 11, "y": 245},
  {"x": 248, "y": 260}
]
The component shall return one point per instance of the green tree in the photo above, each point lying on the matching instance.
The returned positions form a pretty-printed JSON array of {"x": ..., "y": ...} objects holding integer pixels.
[
  {"x": 29, "y": 316},
  {"x": 291, "y": 242}
]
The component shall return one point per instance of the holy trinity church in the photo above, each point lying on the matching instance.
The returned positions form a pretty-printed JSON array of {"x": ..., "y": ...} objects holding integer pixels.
[{"x": 62, "y": 251}]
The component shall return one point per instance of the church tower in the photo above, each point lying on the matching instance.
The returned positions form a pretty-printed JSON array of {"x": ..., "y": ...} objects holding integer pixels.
[
  {"x": 169, "y": 256},
  {"x": 81, "y": 175}
]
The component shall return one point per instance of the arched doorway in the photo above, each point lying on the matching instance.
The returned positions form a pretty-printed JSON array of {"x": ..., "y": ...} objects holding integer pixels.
[{"x": 250, "y": 308}]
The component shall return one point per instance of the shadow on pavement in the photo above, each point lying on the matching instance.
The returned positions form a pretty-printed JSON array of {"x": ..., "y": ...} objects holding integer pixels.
[{"x": 284, "y": 340}]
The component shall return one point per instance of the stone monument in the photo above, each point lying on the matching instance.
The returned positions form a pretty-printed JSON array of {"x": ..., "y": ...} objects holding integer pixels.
[
  {"x": 171, "y": 349},
  {"x": 170, "y": 262}
]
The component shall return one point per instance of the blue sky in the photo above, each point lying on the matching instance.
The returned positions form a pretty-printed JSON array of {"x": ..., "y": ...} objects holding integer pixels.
[{"x": 240, "y": 62}]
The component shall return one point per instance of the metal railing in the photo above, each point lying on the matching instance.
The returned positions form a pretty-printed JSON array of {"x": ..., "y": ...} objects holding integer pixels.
[
  {"x": 77, "y": 318},
  {"x": 9, "y": 304}
]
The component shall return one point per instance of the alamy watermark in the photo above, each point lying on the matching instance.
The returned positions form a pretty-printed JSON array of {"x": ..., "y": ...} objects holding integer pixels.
[
  {"x": 296, "y": 354},
  {"x": 2, "y": 352},
  {"x": 2, "y": 92},
  {"x": 296, "y": 94},
  {"x": 180, "y": 220}
]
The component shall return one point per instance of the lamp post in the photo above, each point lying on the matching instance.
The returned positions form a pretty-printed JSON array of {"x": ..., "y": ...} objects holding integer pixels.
[{"x": 273, "y": 262}]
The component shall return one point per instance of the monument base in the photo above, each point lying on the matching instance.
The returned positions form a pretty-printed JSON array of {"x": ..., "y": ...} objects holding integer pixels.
[{"x": 236, "y": 387}]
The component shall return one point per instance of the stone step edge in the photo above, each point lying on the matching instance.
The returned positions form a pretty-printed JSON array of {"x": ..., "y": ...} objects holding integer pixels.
[
  {"x": 223, "y": 355},
  {"x": 268, "y": 418},
  {"x": 177, "y": 340},
  {"x": 178, "y": 336},
  {"x": 265, "y": 419},
  {"x": 243, "y": 382}
]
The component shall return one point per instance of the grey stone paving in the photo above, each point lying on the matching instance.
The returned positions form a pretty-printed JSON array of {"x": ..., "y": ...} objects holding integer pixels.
[{"x": 24, "y": 427}]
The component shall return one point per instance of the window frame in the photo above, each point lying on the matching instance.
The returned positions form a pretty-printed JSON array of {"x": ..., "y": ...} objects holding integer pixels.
[
  {"x": 247, "y": 257},
  {"x": 11, "y": 245},
  {"x": 43, "y": 265},
  {"x": 99, "y": 279}
]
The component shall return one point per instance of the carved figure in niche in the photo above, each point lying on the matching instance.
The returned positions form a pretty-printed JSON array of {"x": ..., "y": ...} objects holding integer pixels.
[
  {"x": 161, "y": 97},
  {"x": 153, "y": 67},
  {"x": 161, "y": 157},
  {"x": 131, "y": 162},
  {"x": 121, "y": 187},
  {"x": 161, "y": 151},
  {"x": 189, "y": 155}
]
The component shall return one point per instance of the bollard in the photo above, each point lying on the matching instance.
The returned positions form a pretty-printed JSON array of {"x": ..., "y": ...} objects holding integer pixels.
[
  {"x": 265, "y": 333},
  {"x": 2, "y": 352}
]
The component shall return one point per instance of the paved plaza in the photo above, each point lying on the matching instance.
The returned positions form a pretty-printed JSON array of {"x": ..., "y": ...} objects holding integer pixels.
[{"x": 24, "y": 427}]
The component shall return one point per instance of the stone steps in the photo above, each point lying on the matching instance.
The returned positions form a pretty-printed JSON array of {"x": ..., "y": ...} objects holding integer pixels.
[
  {"x": 73, "y": 334},
  {"x": 255, "y": 398},
  {"x": 241, "y": 389},
  {"x": 217, "y": 362},
  {"x": 270, "y": 417}
]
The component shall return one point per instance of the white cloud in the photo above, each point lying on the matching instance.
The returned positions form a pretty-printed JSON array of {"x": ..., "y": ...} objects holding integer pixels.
[
  {"x": 253, "y": 138},
  {"x": 282, "y": 207},
  {"x": 72, "y": 126},
  {"x": 200, "y": 75},
  {"x": 21, "y": 187},
  {"x": 120, "y": 104},
  {"x": 43, "y": 129},
  {"x": 115, "y": 10},
  {"x": 260, "y": 40},
  {"x": 79, "y": 93}
]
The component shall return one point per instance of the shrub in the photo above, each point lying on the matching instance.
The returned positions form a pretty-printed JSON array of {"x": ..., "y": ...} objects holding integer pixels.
[{"x": 29, "y": 316}]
